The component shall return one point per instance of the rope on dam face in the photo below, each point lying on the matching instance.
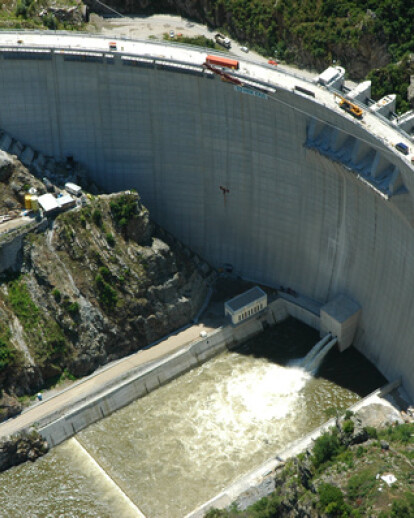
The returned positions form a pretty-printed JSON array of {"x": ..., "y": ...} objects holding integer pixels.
[{"x": 134, "y": 509}]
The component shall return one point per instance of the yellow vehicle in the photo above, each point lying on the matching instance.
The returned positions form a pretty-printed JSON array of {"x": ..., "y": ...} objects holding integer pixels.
[{"x": 349, "y": 107}]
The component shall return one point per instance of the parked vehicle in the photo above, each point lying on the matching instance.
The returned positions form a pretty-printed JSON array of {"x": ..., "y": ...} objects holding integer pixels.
[
  {"x": 244, "y": 49},
  {"x": 272, "y": 62},
  {"x": 222, "y": 40},
  {"x": 349, "y": 107},
  {"x": 402, "y": 148},
  {"x": 222, "y": 62}
]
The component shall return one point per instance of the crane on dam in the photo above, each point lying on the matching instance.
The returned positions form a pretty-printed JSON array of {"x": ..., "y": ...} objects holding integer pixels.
[{"x": 349, "y": 107}]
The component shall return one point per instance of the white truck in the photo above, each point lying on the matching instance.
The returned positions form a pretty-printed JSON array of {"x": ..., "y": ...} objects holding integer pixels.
[{"x": 222, "y": 40}]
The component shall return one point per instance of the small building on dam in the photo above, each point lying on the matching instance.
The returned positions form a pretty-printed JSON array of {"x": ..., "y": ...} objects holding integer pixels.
[{"x": 291, "y": 181}]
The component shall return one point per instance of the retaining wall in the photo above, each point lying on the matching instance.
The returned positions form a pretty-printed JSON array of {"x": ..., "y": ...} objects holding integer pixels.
[
  {"x": 226, "y": 497},
  {"x": 65, "y": 423}
]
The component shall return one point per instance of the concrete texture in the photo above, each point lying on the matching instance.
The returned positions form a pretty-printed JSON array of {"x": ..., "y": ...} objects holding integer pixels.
[
  {"x": 317, "y": 200},
  {"x": 65, "y": 423},
  {"x": 340, "y": 318}
]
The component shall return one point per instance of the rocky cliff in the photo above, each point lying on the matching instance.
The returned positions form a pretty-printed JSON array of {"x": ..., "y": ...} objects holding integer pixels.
[
  {"x": 102, "y": 281},
  {"x": 21, "y": 447}
]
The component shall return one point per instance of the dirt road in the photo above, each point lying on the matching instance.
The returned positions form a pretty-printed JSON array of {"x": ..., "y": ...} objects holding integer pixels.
[{"x": 154, "y": 27}]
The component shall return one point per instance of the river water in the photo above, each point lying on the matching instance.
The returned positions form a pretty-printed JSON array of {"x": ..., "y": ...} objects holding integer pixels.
[{"x": 174, "y": 449}]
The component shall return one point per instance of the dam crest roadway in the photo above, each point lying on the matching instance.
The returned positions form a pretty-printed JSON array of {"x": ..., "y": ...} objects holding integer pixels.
[{"x": 264, "y": 171}]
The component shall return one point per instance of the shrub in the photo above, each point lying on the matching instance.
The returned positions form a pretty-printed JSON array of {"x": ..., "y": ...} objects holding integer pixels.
[
  {"x": 7, "y": 352},
  {"x": 110, "y": 239},
  {"x": 331, "y": 500},
  {"x": 57, "y": 295},
  {"x": 266, "y": 507},
  {"x": 50, "y": 22},
  {"x": 401, "y": 433},
  {"x": 97, "y": 217},
  {"x": 326, "y": 447},
  {"x": 348, "y": 427},
  {"x": 26, "y": 311},
  {"x": 104, "y": 272},
  {"x": 107, "y": 295},
  {"x": 73, "y": 309},
  {"x": 359, "y": 485},
  {"x": 401, "y": 509},
  {"x": 360, "y": 452},
  {"x": 123, "y": 208},
  {"x": 371, "y": 431}
]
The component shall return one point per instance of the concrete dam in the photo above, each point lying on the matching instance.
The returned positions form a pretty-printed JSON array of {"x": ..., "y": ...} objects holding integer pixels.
[{"x": 268, "y": 175}]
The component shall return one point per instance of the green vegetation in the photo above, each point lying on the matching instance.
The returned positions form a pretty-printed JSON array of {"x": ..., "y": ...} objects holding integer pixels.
[
  {"x": 25, "y": 14},
  {"x": 97, "y": 217},
  {"x": 57, "y": 295},
  {"x": 200, "y": 41},
  {"x": 44, "y": 334},
  {"x": 361, "y": 494},
  {"x": 24, "y": 308},
  {"x": 326, "y": 447},
  {"x": 123, "y": 208},
  {"x": 394, "y": 78},
  {"x": 107, "y": 295},
  {"x": 320, "y": 28},
  {"x": 110, "y": 239},
  {"x": 348, "y": 426},
  {"x": 331, "y": 501},
  {"x": 8, "y": 354},
  {"x": 73, "y": 309}
]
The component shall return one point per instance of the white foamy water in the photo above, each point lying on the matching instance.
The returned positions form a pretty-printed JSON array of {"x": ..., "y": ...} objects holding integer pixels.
[
  {"x": 174, "y": 449},
  {"x": 178, "y": 446}
]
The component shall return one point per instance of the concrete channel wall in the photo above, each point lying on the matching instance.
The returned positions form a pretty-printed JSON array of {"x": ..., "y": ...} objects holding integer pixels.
[
  {"x": 226, "y": 497},
  {"x": 298, "y": 206},
  {"x": 67, "y": 422}
]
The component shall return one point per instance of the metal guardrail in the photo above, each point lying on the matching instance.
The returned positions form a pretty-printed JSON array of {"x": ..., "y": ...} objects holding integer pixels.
[
  {"x": 376, "y": 114},
  {"x": 195, "y": 48}
]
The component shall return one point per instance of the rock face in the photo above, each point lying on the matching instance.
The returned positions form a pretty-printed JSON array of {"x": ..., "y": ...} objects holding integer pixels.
[
  {"x": 358, "y": 59},
  {"x": 9, "y": 406},
  {"x": 410, "y": 91},
  {"x": 103, "y": 281},
  {"x": 22, "y": 447}
]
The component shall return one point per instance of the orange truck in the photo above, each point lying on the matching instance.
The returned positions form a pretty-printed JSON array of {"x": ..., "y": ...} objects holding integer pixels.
[{"x": 222, "y": 62}]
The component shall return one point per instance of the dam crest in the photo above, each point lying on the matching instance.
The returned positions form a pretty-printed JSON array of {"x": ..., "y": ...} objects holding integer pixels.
[{"x": 272, "y": 177}]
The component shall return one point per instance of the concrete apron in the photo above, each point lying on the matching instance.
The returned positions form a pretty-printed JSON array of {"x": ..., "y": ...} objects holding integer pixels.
[
  {"x": 67, "y": 421},
  {"x": 256, "y": 476}
]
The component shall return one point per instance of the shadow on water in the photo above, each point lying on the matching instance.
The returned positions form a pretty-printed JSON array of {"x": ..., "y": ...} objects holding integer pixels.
[{"x": 293, "y": 339}]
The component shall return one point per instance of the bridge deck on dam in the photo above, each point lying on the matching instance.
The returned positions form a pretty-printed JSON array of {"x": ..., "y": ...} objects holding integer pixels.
[
  {"x": 277, "y": 181},
  {"x": 94, "y": 48}
]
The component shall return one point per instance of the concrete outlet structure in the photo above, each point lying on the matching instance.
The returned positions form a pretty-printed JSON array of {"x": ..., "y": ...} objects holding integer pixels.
[
  {"x": 270, "y": 175},
  {"x": 340, "y": 318}
]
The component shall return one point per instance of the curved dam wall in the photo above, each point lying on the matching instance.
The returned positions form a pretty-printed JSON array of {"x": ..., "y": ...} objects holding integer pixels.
[{"x": 293, "y": 210}]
